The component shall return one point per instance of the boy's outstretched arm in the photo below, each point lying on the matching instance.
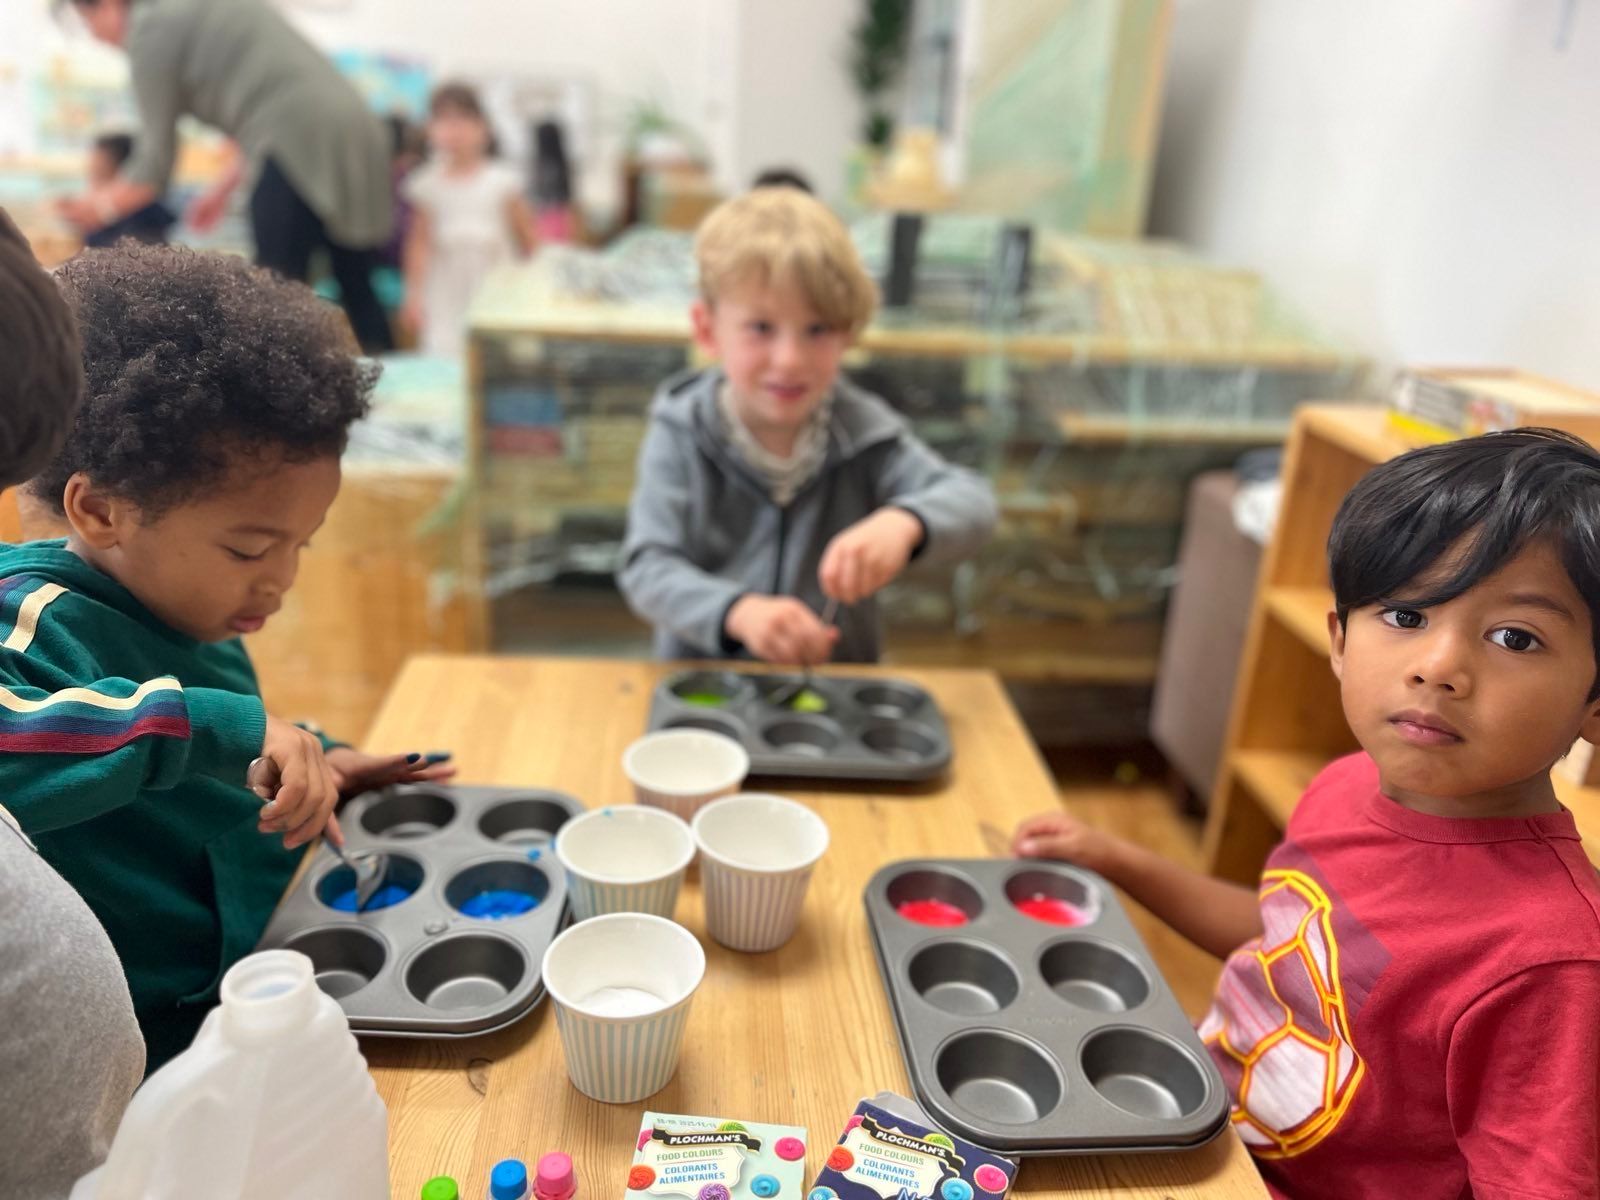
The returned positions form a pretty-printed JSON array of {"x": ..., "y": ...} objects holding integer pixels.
[
  {"x": 1214, "y": 914},
  {"x": 956, "y": 506}
]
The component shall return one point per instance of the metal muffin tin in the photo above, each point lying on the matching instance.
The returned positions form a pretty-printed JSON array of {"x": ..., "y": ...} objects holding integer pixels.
[
  {"x": 1030, "y": 1038},
  {"x": 875, "y": 729},
  {"x": 421, "y": 967}
]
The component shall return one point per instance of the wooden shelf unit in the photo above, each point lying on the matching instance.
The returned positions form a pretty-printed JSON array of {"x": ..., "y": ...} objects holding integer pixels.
[{"x": 1287, "y": 723}]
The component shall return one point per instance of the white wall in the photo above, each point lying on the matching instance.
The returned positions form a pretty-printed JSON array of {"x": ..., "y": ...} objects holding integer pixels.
[
  {"x": 1422, "y": 176},
  {"x": 794, "y": 104}
]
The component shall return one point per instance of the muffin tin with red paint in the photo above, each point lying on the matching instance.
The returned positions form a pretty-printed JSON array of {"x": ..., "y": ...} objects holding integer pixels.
[{"x": 1036, "y": 1023}]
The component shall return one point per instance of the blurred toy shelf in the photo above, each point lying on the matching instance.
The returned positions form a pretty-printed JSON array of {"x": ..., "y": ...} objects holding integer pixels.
[{"x": 1122, "y": 371}]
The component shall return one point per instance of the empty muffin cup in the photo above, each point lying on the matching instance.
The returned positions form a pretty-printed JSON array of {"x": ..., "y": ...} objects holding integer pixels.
[
  {"x": 904, "y": 741},
  {"x": 622, "y": 986},
  {"x": 525, "y": 821},
  {"x": 1094, "y": 975},
  {"x": 471, "y": 970},
  {"x": 813, "y": 737},
  {"x": 757, "y": 853},
  {"x": 963, "y": 977},
  {"x": 999, "y": 1077},
  {"x": 337, "y": 888},
  {"x": 891, "y": 701},
  {"x": 344, "y": 959},
  {"x": 682, "y": 769},
  {"x": 408, "y": 814},
  {"x": 628, "y": 858},
  {"x": 497, "y": 890},
  {"x": 1053, "y": 897},
  {"x": 1144, "y": 1073},
  {"x": 709, "y": 689},
  {"x": 934, "y": 898}
]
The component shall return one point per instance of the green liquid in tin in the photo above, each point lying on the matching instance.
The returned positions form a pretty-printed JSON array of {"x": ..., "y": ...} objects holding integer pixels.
[
  {"x": 704, "y": 699},
  {"x": 808, "y": 701}
]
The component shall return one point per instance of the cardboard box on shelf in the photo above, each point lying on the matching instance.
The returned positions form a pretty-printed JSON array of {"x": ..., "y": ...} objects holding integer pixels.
[{"x": 1440, "y": 403}]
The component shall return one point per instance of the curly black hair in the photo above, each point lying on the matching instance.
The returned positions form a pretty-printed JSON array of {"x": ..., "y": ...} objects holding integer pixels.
[{"x": 193, "y": 361}]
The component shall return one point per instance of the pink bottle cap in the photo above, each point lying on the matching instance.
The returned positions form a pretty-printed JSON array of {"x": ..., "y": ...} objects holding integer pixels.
[{"x": 554, "y": 1180}]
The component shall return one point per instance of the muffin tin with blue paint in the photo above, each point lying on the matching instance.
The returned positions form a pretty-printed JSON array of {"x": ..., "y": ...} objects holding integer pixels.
[
  {"x": 1030, "y": 1037},
  {"x": 453, "y": 943},
  {"x": 856, "y": 727}
]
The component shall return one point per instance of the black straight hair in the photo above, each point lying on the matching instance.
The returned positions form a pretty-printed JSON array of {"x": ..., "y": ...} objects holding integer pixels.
[
  {"x": 1487, "y": 497},
  {"x": 41, "y": 361}
]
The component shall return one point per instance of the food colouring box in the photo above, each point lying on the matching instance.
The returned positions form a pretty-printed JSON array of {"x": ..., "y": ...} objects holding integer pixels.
[
  {"x": 884, "y": 1155},
  {"x": 707, "y": 1158}
]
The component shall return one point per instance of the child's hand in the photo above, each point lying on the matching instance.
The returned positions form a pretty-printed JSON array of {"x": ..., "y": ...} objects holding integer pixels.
[
  {"x": 79, "y": 212},
  {"x": 354, "y": 772},
  {"x": 206, "y": 210},
  {"x": 781, "y": 629},
  {"x": 869, "y": 554},
  {"x": 1056, "y": 835},
  {"x": 306, "y": 791}
]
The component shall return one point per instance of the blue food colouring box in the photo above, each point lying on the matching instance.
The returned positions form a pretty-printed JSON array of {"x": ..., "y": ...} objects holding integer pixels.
[
  {"x": 709, "y": 1158},
  {"x": 885, "y": 1155}
]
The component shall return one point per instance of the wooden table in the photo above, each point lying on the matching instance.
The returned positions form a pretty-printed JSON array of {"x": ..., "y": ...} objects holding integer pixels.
[{"x": 797, "y": 1036}]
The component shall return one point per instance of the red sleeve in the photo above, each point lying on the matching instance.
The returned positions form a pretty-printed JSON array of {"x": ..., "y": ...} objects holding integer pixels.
[{"x": 1523, "y": 1083}]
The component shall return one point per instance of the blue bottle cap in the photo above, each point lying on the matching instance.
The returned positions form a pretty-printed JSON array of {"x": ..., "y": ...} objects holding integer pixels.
[{"x": 508, "y": 1180}]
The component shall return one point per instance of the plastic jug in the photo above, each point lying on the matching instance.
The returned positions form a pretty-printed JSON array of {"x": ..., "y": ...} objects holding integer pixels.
[{"x": 271, "y": 1102}]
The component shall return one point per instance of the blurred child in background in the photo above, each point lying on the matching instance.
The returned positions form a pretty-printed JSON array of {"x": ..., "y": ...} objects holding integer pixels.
[
  {"x": 468, "y": 217},
  {"x": 151, "y": 223}
]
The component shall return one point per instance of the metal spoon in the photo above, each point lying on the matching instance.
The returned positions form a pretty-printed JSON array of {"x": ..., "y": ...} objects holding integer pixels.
[
  {"x": 370, "y": 867},
  {"x": 786, "y": 695}
]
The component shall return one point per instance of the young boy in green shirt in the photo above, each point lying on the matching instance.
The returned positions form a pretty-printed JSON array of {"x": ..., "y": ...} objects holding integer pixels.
[{"x": 205, "y": 453}]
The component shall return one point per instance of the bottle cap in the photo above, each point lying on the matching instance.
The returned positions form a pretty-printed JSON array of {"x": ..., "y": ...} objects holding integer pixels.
[
  {"x": 508, "y": 1180},
  {"x": 441, "y": 1187},
  {"x": 555, "y": 1178}
]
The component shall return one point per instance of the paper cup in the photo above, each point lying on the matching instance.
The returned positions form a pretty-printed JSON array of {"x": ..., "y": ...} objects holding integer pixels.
[
  {"x": 756, "y": 857},
  {"x": 624, "y": 859},
  {"x": 681, "y": 769},
  {"x": 622, "y": 986}
]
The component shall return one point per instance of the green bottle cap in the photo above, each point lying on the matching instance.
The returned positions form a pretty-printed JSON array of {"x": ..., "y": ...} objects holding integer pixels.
[{"x": 441, "y": 1187}]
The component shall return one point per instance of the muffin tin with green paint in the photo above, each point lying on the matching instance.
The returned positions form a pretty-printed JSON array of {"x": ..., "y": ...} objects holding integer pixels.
[
  {"x": 473, "y": 897},
  {"x": 830, "y": 727},
  {"x": 1028, "y": 1037}
]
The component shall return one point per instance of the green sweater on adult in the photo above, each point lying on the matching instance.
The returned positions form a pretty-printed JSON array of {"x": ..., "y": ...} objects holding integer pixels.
[{"x": 123, "y": 750}]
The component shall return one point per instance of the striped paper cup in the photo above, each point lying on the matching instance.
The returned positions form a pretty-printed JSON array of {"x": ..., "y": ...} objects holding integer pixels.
[
  {"x": 757, "y": 853},
  {"x": 624, "y": 859},
  {"x": 622, "y": 986},
  {"x": 681, "y": 769}
]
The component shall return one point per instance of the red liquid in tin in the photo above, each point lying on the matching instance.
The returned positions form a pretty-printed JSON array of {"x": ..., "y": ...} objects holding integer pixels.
[
  {"x": 931, "y": 912},
  {"x": 1052, "y": 910}
]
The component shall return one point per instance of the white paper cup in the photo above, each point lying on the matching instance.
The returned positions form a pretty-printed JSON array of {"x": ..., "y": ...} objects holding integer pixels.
[
  {"x": 681, "y": 769},
  {"x": 622, "y": 986},
  {"x": 756, "y": 857},
  {"x": 624, "y": 859}
]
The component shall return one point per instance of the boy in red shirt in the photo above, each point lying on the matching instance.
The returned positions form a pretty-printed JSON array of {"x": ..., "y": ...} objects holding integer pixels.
[{"x": 1411, "y": 1000}]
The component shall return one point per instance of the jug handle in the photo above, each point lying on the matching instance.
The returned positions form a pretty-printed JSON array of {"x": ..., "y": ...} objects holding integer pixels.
[{"x": 148, "y": 1129}]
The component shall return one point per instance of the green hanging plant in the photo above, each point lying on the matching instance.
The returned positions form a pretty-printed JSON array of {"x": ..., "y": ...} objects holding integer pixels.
[{"x": 877, "y": 56}]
